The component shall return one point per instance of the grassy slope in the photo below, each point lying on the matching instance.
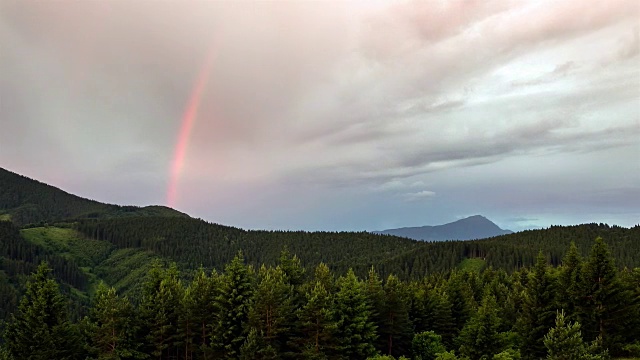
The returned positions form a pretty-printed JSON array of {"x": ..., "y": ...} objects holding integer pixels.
[
  {"x": 99, "y": 259},
  {"x": 124, "y": 269},
  {"x": 472, "y": 265}
]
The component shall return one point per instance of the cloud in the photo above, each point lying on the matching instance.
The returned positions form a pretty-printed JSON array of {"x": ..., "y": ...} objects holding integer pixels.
[
  {"x": 560, "y": 71},
  {"x": 370, "y": 98},
  {"x": 631, "y": 45},
  {"x": 420, "y": 195},
  {"x": 522, "y": 219}
]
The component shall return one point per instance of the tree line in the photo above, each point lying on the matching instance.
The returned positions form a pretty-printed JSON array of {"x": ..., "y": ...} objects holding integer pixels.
[
  {"x": 193, "y": 242},
  {"x": 28, "y": 202},
  {"x": 585, "y": 308}
]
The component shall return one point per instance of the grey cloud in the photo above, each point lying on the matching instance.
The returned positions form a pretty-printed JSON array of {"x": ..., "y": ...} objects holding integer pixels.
[
  {"x": 446, "y": 67},
  {"x": 560, "y": 71},
  {"x": 521, "y": 219},
  {"x": 631, "y": 45},
  {"x": 323, "y": 98},
  {"x": 564, "y": 68},
  {"x": 420, "y": 195}
]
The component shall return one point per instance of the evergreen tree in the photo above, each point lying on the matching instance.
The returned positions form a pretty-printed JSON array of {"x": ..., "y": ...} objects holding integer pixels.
[
  {"x": 5, "y": 355},
  {"x": 602, "y": 305},
  {"x": 427, "y": 345},
  {"x": 502, "y": 293},
  {"x": 114, "y": 327},
  {"x": 431, "y": 311},
  {"x": 232, "y": 304},
  {"x": 631, "y": 324},
  {"x": 447, "y": 355},
  {"x": 160, "y": 311},
  {"x": 538, "y": 313},
  {"x": 376, "y": 301},
  {"x": 323, "y": 275},
  {"x": 40, "y": 329},
  {"x": 570, "y": 283},
  {"x": 255, "y": 348},
  {"x": 199, "y": 310},
  {"x": 252, "y": 346},
  {"x": 317, "y": 325},
  {"x": 564, "y": 341},
  {"x": 481, "y": 338},
  {"x": 396, "y": 328},
  {"x": 460, "y": 297},
  {"x": 291, "y": 267},
  {"x": 509, "y": 354},
  {"x": 188, "y": 325},
  {"x": 355, "y": 331},
  {"x": 512, "y": 306},
  {"x": 272, "y": 313}
]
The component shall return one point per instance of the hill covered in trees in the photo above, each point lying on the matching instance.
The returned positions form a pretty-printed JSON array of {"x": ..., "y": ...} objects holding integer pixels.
[
  {"x": 87, "y": 243},
  {"x": 27, "y": 201},
  {"x": 584, "y": 309}
]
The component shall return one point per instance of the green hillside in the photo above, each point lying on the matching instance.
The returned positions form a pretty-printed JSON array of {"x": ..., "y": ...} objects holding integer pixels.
[
  {"x": 432, "y": 286},
  {"x": 112, "y": 242},
  {"x": 27, "y": 201}
]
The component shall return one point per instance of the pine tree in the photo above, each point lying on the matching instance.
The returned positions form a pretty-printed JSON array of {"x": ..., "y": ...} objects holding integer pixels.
[
  {"x": 272, "y": 313},
  {"x": 481, "y": 337},
  {"x": 512, "y": 307},
  {"x": 431, "y": 311},
  {"x": 564, "y": 341},
  {"x": 114, "y": 327},
  {"x": 188, "y": 325},
  {"x": 323, "y": 274},
  {"x": 232, "y": 304},
  {"x": 160, "y": 310},
  {"x": 355, "y": 331},
  {"x": 255, "y": 348},
  {"x": 538, "y": 312},
  {"x": 631, "y": 324},
  {"x": 317, "y": 325},
  {"x": 40, "y": 329},
  {"x": 396, "y": 328},
  {"x": 293, "y": 270},
  {"x": 198, "y": 304},
  {"x": 460, "y": 297},
  {"x": 376, "y": 300},
  {"x": 427, "y": 345},
  {"x": 604, "y": 305},
  {"x": 570, "y": 283},
  {"x": 4, "y": 354}
]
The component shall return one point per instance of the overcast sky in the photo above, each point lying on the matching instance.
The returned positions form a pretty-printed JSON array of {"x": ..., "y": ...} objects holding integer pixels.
[{"x": 330, "y": 115}]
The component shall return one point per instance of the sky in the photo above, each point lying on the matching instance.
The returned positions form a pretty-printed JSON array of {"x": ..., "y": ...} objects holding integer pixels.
[{"x": 322, "y": 115}]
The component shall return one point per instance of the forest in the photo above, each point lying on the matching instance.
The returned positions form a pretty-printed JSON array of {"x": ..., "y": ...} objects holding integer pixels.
[
  {"x": 584, "y": 308},
  {"x": 84, "y": 280}
]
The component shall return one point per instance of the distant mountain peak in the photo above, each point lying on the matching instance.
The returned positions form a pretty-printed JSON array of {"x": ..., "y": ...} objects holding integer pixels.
[
  {"x": 474, "y": 218},
  {"x": 469, "y": 228}
]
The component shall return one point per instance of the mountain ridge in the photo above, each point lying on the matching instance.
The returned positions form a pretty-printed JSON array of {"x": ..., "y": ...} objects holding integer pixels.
[
  {"x": 469, "y": 228},
  {"x": 118, "y": 246},
  {"x": 28, "y": 201}
]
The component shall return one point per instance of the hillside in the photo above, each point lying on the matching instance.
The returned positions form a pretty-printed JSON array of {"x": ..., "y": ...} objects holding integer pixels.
[
  {"x": 117, "y": 246},
  {"x": 27, "y": 201},
  {"x": 470, "y": 228}
]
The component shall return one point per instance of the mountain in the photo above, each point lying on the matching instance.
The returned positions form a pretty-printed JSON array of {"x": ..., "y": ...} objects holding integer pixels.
[
  {"x": 27, "y": 201},
  {"x": 86, "y": 242},
  {"x": 473, "y": 227}
]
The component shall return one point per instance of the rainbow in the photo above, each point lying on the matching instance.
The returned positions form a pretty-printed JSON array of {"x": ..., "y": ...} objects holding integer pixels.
[{"x": 188, "y": 119}]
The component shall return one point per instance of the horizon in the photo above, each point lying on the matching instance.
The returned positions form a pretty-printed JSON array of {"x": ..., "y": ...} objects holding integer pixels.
[
  {"x": 337, "y": 230},
  {"x": 344, "y": 117}
]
